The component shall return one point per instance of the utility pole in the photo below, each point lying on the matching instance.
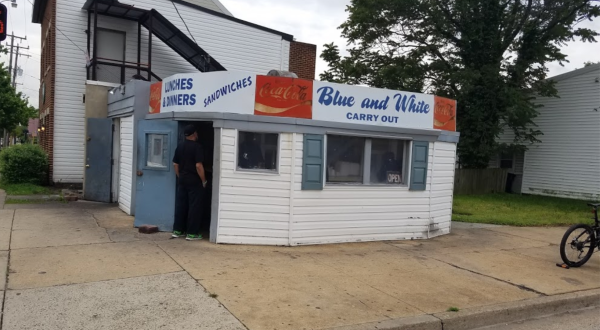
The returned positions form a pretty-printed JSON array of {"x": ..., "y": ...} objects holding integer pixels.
[
  {"x": 10, "y": 68},
  {"x": 14, "y": 80},
  {"x": 12, "y": 45}
]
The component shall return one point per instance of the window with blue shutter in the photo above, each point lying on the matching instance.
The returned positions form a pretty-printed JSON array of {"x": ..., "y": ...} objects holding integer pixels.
[
  {"x": 312, "y": 162},
  {"x": 418, "y": 166}
]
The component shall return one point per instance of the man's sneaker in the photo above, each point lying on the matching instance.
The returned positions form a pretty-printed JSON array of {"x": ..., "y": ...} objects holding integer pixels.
[
  {"x": 177, "y": 234},
  {"x": 193, "y": 237}
]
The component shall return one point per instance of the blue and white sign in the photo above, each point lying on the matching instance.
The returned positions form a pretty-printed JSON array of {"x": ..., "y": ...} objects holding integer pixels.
[
  {"x": 231, "y": 92},
  {"x": 371, "y": 106}
]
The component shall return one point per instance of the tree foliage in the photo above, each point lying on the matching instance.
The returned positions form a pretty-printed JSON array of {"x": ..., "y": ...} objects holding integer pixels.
[
  {"x": 14, "y": 108},
  {"x": 489, "y": 55}
]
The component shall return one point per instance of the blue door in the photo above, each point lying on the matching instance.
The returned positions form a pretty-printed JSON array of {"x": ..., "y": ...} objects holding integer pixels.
[
  {"x": 155, "y": 185},
  {"x": 98, "y": 160}
]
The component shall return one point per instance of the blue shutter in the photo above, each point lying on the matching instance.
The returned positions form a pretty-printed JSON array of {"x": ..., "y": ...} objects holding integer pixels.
[
  {"x": 418, "y": 166},
  {"x": 312, "y": 162}
]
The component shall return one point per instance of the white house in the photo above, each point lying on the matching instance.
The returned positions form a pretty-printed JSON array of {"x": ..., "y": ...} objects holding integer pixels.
[
  {"x": 567, "y": 161},
  {"x": 89, "y": 46}
]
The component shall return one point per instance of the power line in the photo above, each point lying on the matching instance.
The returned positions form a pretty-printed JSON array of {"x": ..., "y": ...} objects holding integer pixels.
[
  {"x": 184, "y": 23},
  {"x": 31, "y": 76},
  {"x": 25, "y": 19},
  {"x": 31, "y": 89},
  {"x": 56, "y": 27}
]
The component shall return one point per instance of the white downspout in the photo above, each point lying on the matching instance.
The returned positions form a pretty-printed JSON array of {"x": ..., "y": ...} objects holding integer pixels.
[{"x": 292, "y": 182}]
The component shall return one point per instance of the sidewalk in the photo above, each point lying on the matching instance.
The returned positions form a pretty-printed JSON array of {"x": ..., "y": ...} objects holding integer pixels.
[{"x": 81, "y": 266}]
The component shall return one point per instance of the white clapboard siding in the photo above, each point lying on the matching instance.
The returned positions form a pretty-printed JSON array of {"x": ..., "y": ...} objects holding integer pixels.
[
  {"x": 567, "y": 161},
  {"x": 442, "y": 183},
  {"x": 126, "y": 165},
  {"x": 215, "y": 5},
  {"x": 236, "y": 46},
  {"x": 362, "y": 213},
  {"x": 254, "y": 208}
]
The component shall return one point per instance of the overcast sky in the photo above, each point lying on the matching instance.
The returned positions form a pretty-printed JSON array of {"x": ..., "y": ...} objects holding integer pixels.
[{"x": 312, "y": 21}]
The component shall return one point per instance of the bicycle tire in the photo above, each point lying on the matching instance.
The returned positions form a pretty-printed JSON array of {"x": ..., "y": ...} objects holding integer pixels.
[{"x": 563, "y": 245}]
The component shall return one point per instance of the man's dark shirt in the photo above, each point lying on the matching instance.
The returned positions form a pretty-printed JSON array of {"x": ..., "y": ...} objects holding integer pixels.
[{"x": 187, "y": 155}]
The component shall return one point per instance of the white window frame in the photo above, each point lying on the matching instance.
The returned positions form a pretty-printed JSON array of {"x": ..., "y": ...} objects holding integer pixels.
[
  {"x": 276, "y": 171},
  {"x": 168, "y": 154}
]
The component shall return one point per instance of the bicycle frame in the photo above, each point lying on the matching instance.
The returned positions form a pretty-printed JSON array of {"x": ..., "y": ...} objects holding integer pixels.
[{"x": 596, "y": 226}]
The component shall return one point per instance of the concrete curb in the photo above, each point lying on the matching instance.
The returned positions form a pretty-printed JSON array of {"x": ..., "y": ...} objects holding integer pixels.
[
  {"x": 421, "y": 322},
  {"x": 518, "y": 310},
  {"x": 478, "y": 317}
]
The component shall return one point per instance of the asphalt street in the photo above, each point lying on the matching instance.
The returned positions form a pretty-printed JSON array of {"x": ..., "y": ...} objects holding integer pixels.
[{"x": 584, "y": 319}]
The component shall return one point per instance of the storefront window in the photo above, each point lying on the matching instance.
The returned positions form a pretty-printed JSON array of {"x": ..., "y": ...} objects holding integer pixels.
[
  {"x": 157, "y": 150},
  {"x": 387, "y": 158},
  {"x": 345, "y": 159},
  {"x": 258, "y": 151}
]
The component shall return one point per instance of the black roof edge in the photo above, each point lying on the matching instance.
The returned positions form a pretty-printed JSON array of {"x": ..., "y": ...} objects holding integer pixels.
[
  {"x": 285, "y": 36},
  {"x": 39, "y": 8}
]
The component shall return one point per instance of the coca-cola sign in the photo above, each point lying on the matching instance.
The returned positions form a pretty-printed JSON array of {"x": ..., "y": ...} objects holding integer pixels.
[
  {"x": 283, "y": 97},
  {"x": 444, "y": 116}
]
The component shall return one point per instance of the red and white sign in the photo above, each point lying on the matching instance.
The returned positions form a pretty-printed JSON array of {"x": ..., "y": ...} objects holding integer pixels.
[{"x": 250, "y": 94}]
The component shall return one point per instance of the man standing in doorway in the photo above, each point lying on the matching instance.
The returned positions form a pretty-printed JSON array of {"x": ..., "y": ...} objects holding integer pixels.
[{"x": 190, "y": 188}]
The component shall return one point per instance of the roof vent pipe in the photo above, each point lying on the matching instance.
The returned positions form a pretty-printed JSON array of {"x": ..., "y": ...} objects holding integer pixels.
[{"x": 280, "y": 73}]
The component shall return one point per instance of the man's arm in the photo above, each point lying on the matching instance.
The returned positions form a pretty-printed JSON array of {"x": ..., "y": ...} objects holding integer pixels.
[
  {"x": 176, "y": 166},
  {"x": 200, "y": 170}
]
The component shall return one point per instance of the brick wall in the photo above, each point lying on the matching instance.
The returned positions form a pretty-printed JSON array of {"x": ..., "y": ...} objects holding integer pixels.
[
  {"x": 303, "y": 59},
  {"x": 47, "y": 73}
]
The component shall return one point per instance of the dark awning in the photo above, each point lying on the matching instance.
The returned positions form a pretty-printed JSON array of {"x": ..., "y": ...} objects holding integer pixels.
[
  {"x": 162, "y": 28},
  {"x": 116, "y": 9}
]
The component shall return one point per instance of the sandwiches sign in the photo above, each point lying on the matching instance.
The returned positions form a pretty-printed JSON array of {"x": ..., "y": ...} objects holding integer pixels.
[{"x": 243, "y": 93}]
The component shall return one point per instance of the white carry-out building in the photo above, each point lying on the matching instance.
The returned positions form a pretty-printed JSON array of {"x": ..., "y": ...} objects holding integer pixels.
[{"x": 289, "y": 161}]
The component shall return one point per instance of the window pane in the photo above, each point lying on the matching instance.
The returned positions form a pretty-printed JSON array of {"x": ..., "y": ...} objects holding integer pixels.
[
  {"x": 157, "y": 150},
  {"x": 506, "y": 163},
  {"x": 506, "y": 160},
  {"x": 258, "y": 151},
  {"x": 387, "y": 157},
  {"x": 345, "y": 157}
]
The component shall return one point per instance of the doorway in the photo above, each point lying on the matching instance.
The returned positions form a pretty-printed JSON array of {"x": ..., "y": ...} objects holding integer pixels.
[{"x": 206, "y": 138}]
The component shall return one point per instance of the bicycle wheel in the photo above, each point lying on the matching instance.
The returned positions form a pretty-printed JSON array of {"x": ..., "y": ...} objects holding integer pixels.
[{"x": 577, "y": 245}]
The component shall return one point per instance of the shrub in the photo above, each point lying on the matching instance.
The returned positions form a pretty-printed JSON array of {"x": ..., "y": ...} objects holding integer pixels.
[{"x": 23, "y": 163}]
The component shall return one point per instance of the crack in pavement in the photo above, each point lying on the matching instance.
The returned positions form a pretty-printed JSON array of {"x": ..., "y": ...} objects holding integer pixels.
[
  {"x": 7, "y": 270},
  {"x": 98, "y": 225},
  {"x": 520, "y": 286},
  {"x": 200, "y": 284}
]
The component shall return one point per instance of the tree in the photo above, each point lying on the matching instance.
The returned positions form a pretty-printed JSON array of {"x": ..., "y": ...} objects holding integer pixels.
[
  {"x": 14, "y": 108},
  {"x": 489, "y": 55},
  {"x": 589, "y": 63}
]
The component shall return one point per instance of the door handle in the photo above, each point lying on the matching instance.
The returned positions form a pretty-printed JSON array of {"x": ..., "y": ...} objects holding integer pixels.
[
  {"x": 87, "y": 165},
  {"x": 140, "y": 173}
]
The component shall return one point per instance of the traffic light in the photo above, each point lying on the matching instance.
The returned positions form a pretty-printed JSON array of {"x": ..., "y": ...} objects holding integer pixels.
[{"x": 3, "y": 16}]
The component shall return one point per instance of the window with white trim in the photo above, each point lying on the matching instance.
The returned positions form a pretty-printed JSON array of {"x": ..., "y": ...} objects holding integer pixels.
[
  {"x": 258, "y": 151},
  {"x": 371, "y": 161}
]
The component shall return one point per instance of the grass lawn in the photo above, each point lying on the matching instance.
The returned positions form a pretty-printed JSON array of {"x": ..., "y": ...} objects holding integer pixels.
[
  {"x": 520, "y": 210},
  {"x": 25, "y": 201},
  {"x": 24, "y": 189}
]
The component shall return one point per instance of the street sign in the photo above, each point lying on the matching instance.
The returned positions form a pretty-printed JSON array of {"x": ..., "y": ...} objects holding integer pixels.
[{"x": 3, "y": 16}]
